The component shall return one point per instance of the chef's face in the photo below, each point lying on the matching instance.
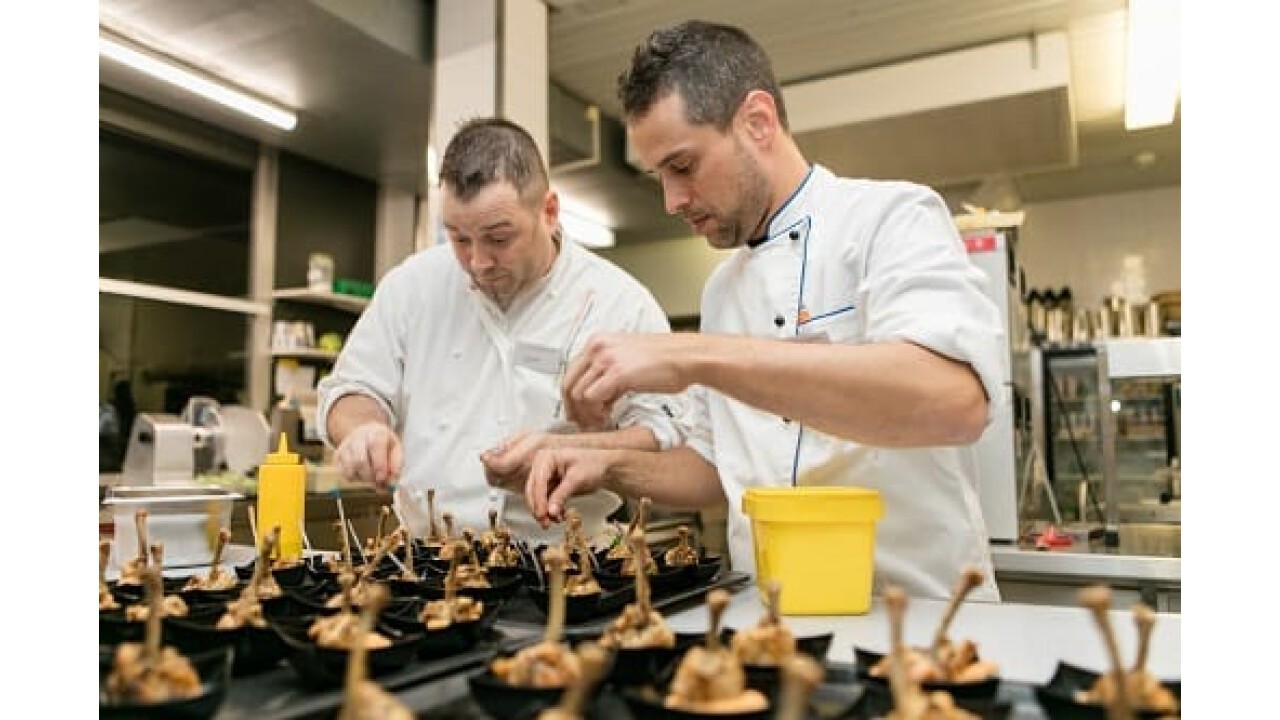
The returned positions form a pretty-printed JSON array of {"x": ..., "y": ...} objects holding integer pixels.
[
  {"x": 502, "y": 240},
  {"x": 710, "y": 178}
]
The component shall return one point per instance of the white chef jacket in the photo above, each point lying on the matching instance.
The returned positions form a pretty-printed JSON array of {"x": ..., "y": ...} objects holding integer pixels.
[
  {"x": 456, "y": 375},
  {"x": 858, "y": 261}
]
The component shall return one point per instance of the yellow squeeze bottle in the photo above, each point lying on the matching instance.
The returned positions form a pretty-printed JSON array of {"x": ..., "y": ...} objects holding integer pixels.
[{"x": 282, "y": 485}]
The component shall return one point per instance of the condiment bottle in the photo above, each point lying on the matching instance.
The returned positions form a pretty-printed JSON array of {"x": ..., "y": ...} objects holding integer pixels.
[{"x": 282, "y": 484}]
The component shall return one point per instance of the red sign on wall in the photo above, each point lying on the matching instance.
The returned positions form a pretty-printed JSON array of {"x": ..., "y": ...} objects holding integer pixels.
[{"x": 985, "y": 242}]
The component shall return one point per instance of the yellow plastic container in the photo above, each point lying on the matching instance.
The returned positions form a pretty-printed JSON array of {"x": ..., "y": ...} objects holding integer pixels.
[
  {"x": 282, "y": 493},
  {"x": 819, "y": 543}
]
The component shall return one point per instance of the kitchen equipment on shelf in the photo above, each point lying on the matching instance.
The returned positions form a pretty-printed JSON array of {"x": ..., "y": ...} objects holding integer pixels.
[{"x": 171, "y": 450}]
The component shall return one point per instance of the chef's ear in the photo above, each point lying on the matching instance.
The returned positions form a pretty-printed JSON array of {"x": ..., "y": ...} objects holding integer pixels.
[
  {"x": 759, "y": 116},
  {"x": 550, "y": 214}
]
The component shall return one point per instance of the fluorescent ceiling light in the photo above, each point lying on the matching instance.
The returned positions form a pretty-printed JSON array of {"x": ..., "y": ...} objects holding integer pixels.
[
  {"x": 580, "y": 225},
  {"x": 586, "y": 232},
  {"x": 192, "y": 82},
  {"x": 1151, "y": 92}
]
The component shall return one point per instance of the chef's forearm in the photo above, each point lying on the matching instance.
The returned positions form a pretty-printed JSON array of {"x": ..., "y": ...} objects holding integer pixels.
[
  {"x": 636, "y": 437},
  {"x": 891, "y": 394},
  {"x": 679, "y": 479},
  {"x": 350, "y": 412}
]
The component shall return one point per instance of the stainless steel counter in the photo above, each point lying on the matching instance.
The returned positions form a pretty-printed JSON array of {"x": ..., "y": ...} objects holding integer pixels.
[{"x": 1147, "y": 567}]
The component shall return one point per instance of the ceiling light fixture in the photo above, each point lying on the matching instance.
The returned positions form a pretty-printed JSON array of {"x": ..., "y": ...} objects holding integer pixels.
[
  {"x": 190, "y": 81},
  {"x": 1151, "y": 91},
  {"x": 581, "y": 225}
]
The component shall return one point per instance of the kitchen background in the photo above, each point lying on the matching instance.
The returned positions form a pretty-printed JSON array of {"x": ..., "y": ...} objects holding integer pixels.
[{"x": 1004, "y": 105}]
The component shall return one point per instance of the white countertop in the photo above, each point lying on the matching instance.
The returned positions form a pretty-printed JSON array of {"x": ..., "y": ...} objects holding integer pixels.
[{"x": 1026, "y": 640}]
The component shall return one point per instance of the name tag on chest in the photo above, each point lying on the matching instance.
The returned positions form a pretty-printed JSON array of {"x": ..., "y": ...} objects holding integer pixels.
[{"x": 538, "y": 358}]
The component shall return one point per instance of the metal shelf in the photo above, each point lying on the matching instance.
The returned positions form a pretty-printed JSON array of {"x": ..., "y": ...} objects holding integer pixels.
[
  {"x": 305, "y": 354},
  {"x": 328, "y": 298}
]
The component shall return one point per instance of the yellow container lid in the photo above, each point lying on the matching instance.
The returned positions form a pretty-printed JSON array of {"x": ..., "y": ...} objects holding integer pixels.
[{"x": 813, "y": 504}]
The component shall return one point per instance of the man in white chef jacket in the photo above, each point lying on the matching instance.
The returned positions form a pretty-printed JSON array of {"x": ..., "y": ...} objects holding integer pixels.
[
  {"x": 846, "y": 339},
  {"x": 451, "y": 377}
]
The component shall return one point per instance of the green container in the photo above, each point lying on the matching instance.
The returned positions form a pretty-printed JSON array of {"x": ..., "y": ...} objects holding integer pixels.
[{"x": 359, "y": 288}]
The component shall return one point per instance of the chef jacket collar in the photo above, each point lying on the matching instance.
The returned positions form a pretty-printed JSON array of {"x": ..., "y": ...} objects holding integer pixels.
[{"x": 787, "y": 215}]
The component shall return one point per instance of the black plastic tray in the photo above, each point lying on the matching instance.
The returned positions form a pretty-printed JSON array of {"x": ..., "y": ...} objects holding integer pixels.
[
  {"x": 522, "y": 612},
  {"x": 281, "y": 695}
]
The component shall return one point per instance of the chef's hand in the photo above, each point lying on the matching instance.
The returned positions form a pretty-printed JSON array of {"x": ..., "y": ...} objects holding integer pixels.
[
  {"x": 560, "y": 473},
  {"x": 371, "y": 453},
  {"x": 507, "y": 465},
  {"x": 612, "y": 365}
]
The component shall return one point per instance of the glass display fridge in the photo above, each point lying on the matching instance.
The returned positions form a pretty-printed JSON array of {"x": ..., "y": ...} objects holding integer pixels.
[{"x": 1106, "y": 426}]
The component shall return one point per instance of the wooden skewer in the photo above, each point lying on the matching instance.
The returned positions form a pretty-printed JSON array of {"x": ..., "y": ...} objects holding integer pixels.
[
  {"x": 253, "y": 524},
  {"x": 140, "y": 524},
  {"x": 801, "y": 675},
  {"x": 908, "y": 701},
  {"x": 431, "y": 515},
  {"x": 383, "y": 514},
  {"x": 357, "y": 663},
  {"x": 104, "y": 552},
  {"x": 408, "y": 553},
  {"x": 469, "y": 547},
  {"x": 448, "y": 526},
  {"x": 340, "y": 528},
  {"x": 1145, "y": 619},
  {"x": 717, "y": 601},
  {"x": 971, "y": 578},
  {"x": 1097, "y": 598},
  {"x": 773, "y": 601},
  {"x": 306, "y": 541},
  {"x": 573, "y": 701},
  {"x": 155, "y": 605},
  {"x": 640, "y": 549},
  {"x": 451, "y": 585},
  {"x": 555, "y": 560},
  {"x": 345, "y": 581},
  {"x": 264, "y": 561},
  {"x": 224, "y": 536}
]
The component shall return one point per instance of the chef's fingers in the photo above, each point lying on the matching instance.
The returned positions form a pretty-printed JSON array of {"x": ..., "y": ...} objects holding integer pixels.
[
  {"x": 535, "y": 487},
  {"x": 396, "y": 460},
  {"x": 382, "y": 446},
  {"x": 509, "y": 455},
  {"x": 589, "y": 413}
]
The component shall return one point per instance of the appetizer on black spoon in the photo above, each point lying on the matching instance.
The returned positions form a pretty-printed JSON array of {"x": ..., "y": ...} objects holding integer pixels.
[
  {"x": 765, "y": 648},
  {"x": 910, "y": 702},
  {"x": 170, "y": 605},
  {"x": 1120, "y": 692},
  {"x": 218, "y": 584},
  {"x": 149, "y": 678},
  {"x": 450, "y": 625},
  {"x": 363, "y": 698},
  {"x": 946, "y": 661},
  {"x": 535, "y": 676},
  {"x": 710, "y": 678},
  {"x": 643, "y": 643},
  {"x": 241, "y": 624},
  {"x": 573, "y": 703},
  {"x": 800, "y": 675}
]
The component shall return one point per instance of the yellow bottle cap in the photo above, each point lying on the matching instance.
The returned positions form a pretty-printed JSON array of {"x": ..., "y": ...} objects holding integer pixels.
[{"x": 282, "y": 456}]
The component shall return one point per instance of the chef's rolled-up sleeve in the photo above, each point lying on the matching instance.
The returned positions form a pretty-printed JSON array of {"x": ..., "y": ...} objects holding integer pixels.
[
  {"x": 371, "y": 362},
  {"x": 922, "y": 288}
]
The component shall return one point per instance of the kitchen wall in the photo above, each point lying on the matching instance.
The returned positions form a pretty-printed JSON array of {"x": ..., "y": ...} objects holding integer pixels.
[
  {"x": 1080, "y": 243},
  {"x": 1083, "y": 243}
]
